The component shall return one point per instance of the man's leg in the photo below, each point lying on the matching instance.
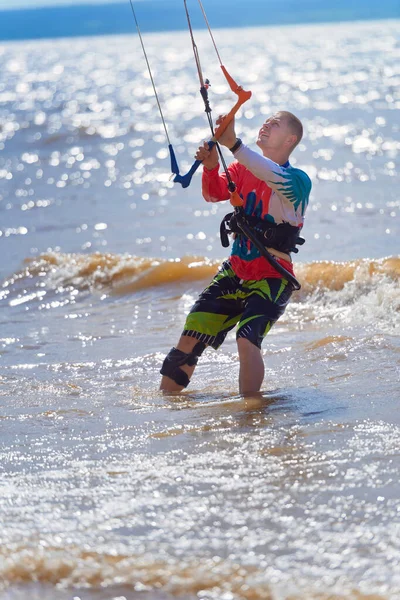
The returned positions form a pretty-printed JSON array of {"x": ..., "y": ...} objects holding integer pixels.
[
  {"x": 251, "y": 373},
  {"x": 216, "y": 311},
  {"x": 265, "y": 303},
  {"x": 186, "y": 345}
]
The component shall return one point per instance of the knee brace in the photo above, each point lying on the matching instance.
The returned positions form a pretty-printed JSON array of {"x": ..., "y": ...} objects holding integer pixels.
[{"x": 176, "y": 358}]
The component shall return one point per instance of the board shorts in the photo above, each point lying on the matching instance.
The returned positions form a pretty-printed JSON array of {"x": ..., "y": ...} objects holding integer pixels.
[{"x": 254, "y": 306}]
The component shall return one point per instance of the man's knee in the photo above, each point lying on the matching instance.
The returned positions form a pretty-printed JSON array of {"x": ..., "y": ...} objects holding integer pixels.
[
  {"x": 247, "y": 346},
  {"x": 177, "y": 358}
]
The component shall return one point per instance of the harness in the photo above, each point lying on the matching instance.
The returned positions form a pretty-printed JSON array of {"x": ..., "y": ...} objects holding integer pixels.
[{"x": 282, "y": 237}]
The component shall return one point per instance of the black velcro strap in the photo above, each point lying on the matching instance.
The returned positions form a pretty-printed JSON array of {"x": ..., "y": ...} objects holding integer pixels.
[
  {"x": 176, "y": 359},
  {"x": 224, "y": 230},
  {"x": 199, "y": 348},
  {"x": 171, "y": 367},
  {"x": 179, "y": 376}
]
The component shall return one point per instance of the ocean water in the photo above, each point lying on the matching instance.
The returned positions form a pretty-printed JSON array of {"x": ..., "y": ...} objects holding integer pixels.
[
  {"x": 76, "y": 19},
  {"x": 110, "y": 490}
]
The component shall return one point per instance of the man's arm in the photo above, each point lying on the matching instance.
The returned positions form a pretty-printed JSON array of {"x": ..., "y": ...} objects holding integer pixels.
[
  {"x": 292, "y": 185},
  {"x": 214, "y": 184}
]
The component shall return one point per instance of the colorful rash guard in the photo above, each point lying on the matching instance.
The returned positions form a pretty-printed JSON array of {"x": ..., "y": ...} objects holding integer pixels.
[{"x": 276, "y": 193}]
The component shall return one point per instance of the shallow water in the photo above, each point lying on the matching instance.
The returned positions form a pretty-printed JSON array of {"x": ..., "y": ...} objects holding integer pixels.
[{"x": 108, "y": 488}]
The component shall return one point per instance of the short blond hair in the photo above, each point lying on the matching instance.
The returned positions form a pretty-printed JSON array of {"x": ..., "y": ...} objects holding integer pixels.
[{"x": 295, "y": 125}]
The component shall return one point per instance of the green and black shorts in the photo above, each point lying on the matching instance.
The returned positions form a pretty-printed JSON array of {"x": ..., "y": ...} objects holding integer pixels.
[{"x": 254, "y": 306}]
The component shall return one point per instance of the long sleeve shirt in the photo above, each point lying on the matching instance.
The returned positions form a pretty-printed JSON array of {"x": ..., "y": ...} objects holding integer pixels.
[{"x": 276, "y": 193}]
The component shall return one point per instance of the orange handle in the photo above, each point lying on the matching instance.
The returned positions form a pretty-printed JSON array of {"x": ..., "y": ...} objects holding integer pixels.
[
  {"x": 235, "y": 199},
  {"x": 242, "y": 95},
  {"x": 237, "y": 89},
  {"x": 228, "y": 119}
]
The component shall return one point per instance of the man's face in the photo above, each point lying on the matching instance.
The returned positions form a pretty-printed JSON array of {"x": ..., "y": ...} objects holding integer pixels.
[{"x": 275, "y": 134}]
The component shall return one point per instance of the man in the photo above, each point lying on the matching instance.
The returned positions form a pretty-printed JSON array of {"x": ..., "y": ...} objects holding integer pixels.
[{"x": 247, "y": 291}]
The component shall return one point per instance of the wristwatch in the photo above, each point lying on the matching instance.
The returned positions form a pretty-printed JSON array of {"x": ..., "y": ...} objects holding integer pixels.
[{"x": 236, "y": 145}]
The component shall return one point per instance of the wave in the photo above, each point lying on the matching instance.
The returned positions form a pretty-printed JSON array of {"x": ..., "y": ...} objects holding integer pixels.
[
  {"x": 333, "y": 276},
  {"x": 74, "y": 567},
  {"x": 115, "y": 274},
  {"x": 125, "y": 274}
]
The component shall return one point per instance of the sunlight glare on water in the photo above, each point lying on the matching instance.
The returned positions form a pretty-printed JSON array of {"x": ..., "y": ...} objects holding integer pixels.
[{"x": 111, "y": 490}]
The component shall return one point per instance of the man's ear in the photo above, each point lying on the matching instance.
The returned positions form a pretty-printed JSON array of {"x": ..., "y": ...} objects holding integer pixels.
[{"x": 292, "y": 140}]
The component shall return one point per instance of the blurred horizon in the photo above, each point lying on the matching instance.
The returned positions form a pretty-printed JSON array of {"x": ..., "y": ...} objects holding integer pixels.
[
  {"x": 27, "y": 4},
  {"x": 71, "y": 18}
]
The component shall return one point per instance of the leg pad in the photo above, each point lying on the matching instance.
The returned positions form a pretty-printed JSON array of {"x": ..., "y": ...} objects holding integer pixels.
[{"x": 176, "y": 358}]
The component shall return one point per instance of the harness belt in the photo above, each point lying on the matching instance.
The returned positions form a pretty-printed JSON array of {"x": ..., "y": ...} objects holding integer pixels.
[{"x": 283, "y": 237}]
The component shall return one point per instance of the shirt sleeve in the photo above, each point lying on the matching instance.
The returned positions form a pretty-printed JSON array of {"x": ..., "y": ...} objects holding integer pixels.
[
  {"x": 215, "y": 184},
  {"x": 292, "y": 185}
]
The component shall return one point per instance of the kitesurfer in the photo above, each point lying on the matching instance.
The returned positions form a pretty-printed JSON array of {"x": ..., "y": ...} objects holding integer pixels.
[{"x": 247, "y": 291}]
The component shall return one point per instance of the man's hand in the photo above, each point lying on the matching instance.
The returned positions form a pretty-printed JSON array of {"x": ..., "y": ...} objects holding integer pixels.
[
  {"x": 228, "y": 138},
  {"x": 209, "y": 157}
]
